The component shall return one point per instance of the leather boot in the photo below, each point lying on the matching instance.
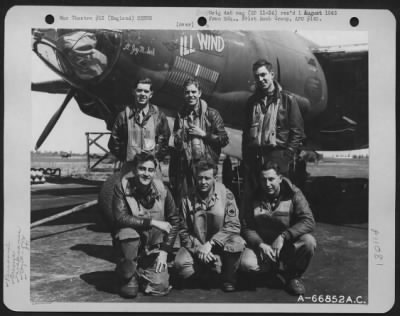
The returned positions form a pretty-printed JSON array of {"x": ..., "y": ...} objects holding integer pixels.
[
  {"x": 126, "y": 271},
  {"x": 131, "y": 289},
  {"x": 230, "y": 264}
]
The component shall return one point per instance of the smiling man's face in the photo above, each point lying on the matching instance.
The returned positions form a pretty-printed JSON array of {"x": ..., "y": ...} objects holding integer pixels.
[
  {"x": 145, "y": 172},
  {"x": 192, "y": 95},
  {"x": 143, "y": 94},
  {"x": 264, "y": 79}
]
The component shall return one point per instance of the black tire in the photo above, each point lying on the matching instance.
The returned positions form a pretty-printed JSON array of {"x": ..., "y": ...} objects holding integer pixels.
[{"x": 105, "y": 198}]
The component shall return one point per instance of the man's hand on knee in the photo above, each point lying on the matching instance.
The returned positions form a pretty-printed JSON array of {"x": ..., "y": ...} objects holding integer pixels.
[
  {"x": 277, "y": 245},
  {"x": 267, "y": 252},
  {"x": 161, "y": 225},
  {"x": 204, "y": 253},
  {"x": 161, "y": 261}
]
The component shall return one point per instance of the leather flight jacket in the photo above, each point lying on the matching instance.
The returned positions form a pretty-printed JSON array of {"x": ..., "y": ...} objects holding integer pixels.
[
  {"x": 289, "y": 123},
  {"x": 133, "y": 214},
  {"x": 119, "y": 134}
]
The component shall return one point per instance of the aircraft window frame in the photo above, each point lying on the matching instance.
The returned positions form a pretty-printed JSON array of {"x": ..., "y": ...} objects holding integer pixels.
[
  {"x": 76, "y": 85},
  {"x": 65, "y": 65}
]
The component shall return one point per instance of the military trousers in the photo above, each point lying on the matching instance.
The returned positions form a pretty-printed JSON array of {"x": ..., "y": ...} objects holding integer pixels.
[
  {"x": 293, "y": 260},
  {"x": 139, "y": 261},
  {"x": 226, "y": 264}
]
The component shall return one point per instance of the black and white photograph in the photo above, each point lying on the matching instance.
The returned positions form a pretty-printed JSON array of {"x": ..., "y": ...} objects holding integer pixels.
[{"x": 200, "y": 164}]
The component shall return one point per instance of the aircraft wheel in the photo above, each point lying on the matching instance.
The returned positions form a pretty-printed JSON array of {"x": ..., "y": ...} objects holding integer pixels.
[{"x": 106, "y": 197}]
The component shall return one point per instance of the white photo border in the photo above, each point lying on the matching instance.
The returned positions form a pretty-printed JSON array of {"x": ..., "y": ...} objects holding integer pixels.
[{"x": 381, "y": 28}]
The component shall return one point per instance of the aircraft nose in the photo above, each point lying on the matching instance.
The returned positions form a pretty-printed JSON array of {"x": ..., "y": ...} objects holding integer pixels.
[
  {"x": 82, "y": 58},
  {"x": 77, "y": 58}
]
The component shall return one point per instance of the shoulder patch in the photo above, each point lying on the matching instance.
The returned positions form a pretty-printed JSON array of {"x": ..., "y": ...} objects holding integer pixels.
[{"x": 231, "y": 211}]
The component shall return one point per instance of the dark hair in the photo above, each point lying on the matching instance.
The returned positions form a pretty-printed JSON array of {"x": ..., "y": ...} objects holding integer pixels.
[
  {"x": 191, "y": 81},
  {"x": 206, "y": 164},
  {"x": 142, "y": 158},
  {"x": 271, "y": 165},
  {"x": 262, "y": 62},
  {"x": 145, "y": 81}
]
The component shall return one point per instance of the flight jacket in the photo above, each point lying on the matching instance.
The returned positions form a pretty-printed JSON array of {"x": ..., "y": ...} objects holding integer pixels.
[
  {"x": 289, "y": 125},
  {"x": 124, "y": 217},
  {"x": 218, "y": 221},
  {"x": 216, "y": 136},
  {"x": 291, "y": 216},
  {"x": 119, "y": 134}
]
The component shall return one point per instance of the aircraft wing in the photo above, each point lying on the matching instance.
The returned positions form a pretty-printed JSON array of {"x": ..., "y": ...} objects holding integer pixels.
[
  {"x": 344, "y": 124},
  {"x": 341, "y": 52}
]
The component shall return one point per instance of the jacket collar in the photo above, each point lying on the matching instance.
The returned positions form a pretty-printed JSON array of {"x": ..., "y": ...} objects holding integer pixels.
[
  {"x": 211, "y": 198},
  {"x": 287, "y": 187},
  {"x": 186, "y": 111},
  {"x": 134, "y": 110},
  {"x": 131, "y": 189},
  {"x": 277, "y": 91},
  {"x": 286, "y": 190},
  {"x": 195, "y": 200}
]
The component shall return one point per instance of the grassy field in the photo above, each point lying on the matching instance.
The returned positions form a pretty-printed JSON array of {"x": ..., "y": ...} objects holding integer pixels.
[{"x": 76, "y": 166}]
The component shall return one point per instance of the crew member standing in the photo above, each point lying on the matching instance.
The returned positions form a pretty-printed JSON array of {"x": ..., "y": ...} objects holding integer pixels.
[
  {"x": 141, "y": 126},
  {"x": 199, "y": 133},
  {"x": 273, "y": 127}
]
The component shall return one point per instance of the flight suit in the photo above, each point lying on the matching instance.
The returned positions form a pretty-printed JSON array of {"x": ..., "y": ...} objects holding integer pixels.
[{"x": 217, "y": 220}]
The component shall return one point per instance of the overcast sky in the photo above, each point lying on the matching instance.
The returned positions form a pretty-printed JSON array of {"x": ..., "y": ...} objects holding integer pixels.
[
  {"x": 335, "y": 38},
  {"x": 69, "y": 132}
]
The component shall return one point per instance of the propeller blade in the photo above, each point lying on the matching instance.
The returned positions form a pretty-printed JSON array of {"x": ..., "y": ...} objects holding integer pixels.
[
  {"x": 52, "y": 86},
  {"x": 50, "y": 125}
]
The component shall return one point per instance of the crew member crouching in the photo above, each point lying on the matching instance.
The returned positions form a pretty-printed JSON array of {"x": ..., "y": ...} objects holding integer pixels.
[
  {"x": 210, "y": 233},
  {"x": 147, "y": 223},
  {"x": 277, "y": 226}
]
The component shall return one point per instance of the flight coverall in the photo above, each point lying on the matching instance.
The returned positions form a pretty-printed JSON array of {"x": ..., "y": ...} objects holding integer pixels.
[
  {"x": 216, "y": 220},
  {"x": 290, "y": 215},
  {"x": 136, "y": 241}
]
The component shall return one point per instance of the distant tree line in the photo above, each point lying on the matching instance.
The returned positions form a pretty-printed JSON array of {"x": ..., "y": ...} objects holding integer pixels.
[{"x": 55, "y": 153}]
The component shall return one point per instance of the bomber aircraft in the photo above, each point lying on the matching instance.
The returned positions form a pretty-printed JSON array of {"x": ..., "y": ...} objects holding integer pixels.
[{"x": 99, "y": 67}]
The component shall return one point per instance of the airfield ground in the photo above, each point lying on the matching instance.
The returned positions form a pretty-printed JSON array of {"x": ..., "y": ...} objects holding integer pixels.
[{"x": 72, "y": 257}]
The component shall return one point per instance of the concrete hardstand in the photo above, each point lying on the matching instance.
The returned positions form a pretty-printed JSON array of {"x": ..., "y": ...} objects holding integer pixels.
[{"x": 72, "y": 259}]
